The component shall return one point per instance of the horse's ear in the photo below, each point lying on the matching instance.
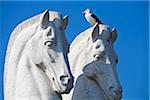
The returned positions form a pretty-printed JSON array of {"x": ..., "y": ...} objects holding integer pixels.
[
  {"x": 65, "y": 22},
  {"x": 95, "y": 32},
  {"x": 114, "y": 35},
  {"x": 44, "y": 19}
]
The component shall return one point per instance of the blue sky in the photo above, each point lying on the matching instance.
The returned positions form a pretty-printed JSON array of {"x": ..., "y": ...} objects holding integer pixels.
[{"x": 130, "y": 19}]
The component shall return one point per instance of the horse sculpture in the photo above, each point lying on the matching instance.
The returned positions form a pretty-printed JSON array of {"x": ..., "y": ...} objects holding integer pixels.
[
  {"x": 36, "y": 64},
  {"x": 93, "y": 60}
]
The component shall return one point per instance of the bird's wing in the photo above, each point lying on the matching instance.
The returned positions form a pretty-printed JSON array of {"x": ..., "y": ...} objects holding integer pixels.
[{"x": 97, "y": 20}]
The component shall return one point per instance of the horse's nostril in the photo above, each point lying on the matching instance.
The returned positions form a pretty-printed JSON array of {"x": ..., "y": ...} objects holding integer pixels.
[
  {"x": 120, "y": 90},
  {"x": 111, "y": 88},
  {"x": 116, "y": 90},
  {"x": 64, "y": 79}
]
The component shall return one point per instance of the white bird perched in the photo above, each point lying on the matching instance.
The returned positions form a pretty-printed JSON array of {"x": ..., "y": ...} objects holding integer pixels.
[{"x": 90, "y": 17}]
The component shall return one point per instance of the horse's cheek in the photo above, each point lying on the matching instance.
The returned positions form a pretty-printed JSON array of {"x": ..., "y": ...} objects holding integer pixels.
[{"x": 38, "y": 56}]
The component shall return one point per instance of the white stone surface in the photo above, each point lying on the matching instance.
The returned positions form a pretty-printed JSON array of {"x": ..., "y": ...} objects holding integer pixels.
[
  {"x": 36, "y": 64},
  {"x": 92, "y": 59}
]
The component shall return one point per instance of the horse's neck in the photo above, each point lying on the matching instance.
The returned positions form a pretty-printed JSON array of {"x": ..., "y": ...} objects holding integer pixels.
[
  {"x": 75, "y": 64},
  {"x": 32, "y": 82},
  {"x": 87, "y": 89},
  {"x": 79, "y": 60}
]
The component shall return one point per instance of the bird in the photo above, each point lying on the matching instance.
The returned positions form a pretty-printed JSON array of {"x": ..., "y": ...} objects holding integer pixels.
[{"x": 90, "y": 17}]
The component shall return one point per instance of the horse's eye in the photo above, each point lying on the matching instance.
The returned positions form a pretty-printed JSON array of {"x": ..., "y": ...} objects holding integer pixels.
[
  {"x": 97, "y": 47},
  {"x": 97, "y": 56}
]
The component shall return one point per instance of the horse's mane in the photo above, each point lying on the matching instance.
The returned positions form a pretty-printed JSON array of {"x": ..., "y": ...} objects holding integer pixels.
[
  {"x": 79, "y": 38},
  {"x": 19, "y": 37}
]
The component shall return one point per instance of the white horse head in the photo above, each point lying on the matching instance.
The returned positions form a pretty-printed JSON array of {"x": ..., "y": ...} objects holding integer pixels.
[
  {"x": 92, "y": 54},
  {"x": 37, "y": 66},
  {"x": 50, "y": 52}
]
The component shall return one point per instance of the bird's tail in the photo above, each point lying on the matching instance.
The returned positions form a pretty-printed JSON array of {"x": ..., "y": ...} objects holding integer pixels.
[{"x": 99, "y": 22}]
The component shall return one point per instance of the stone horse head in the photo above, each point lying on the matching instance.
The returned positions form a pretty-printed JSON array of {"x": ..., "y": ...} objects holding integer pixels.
[
  {"x": 104, "y": 59},
  {"x": 36, "y": 66},
  {"x": 93, "y": 64}
]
